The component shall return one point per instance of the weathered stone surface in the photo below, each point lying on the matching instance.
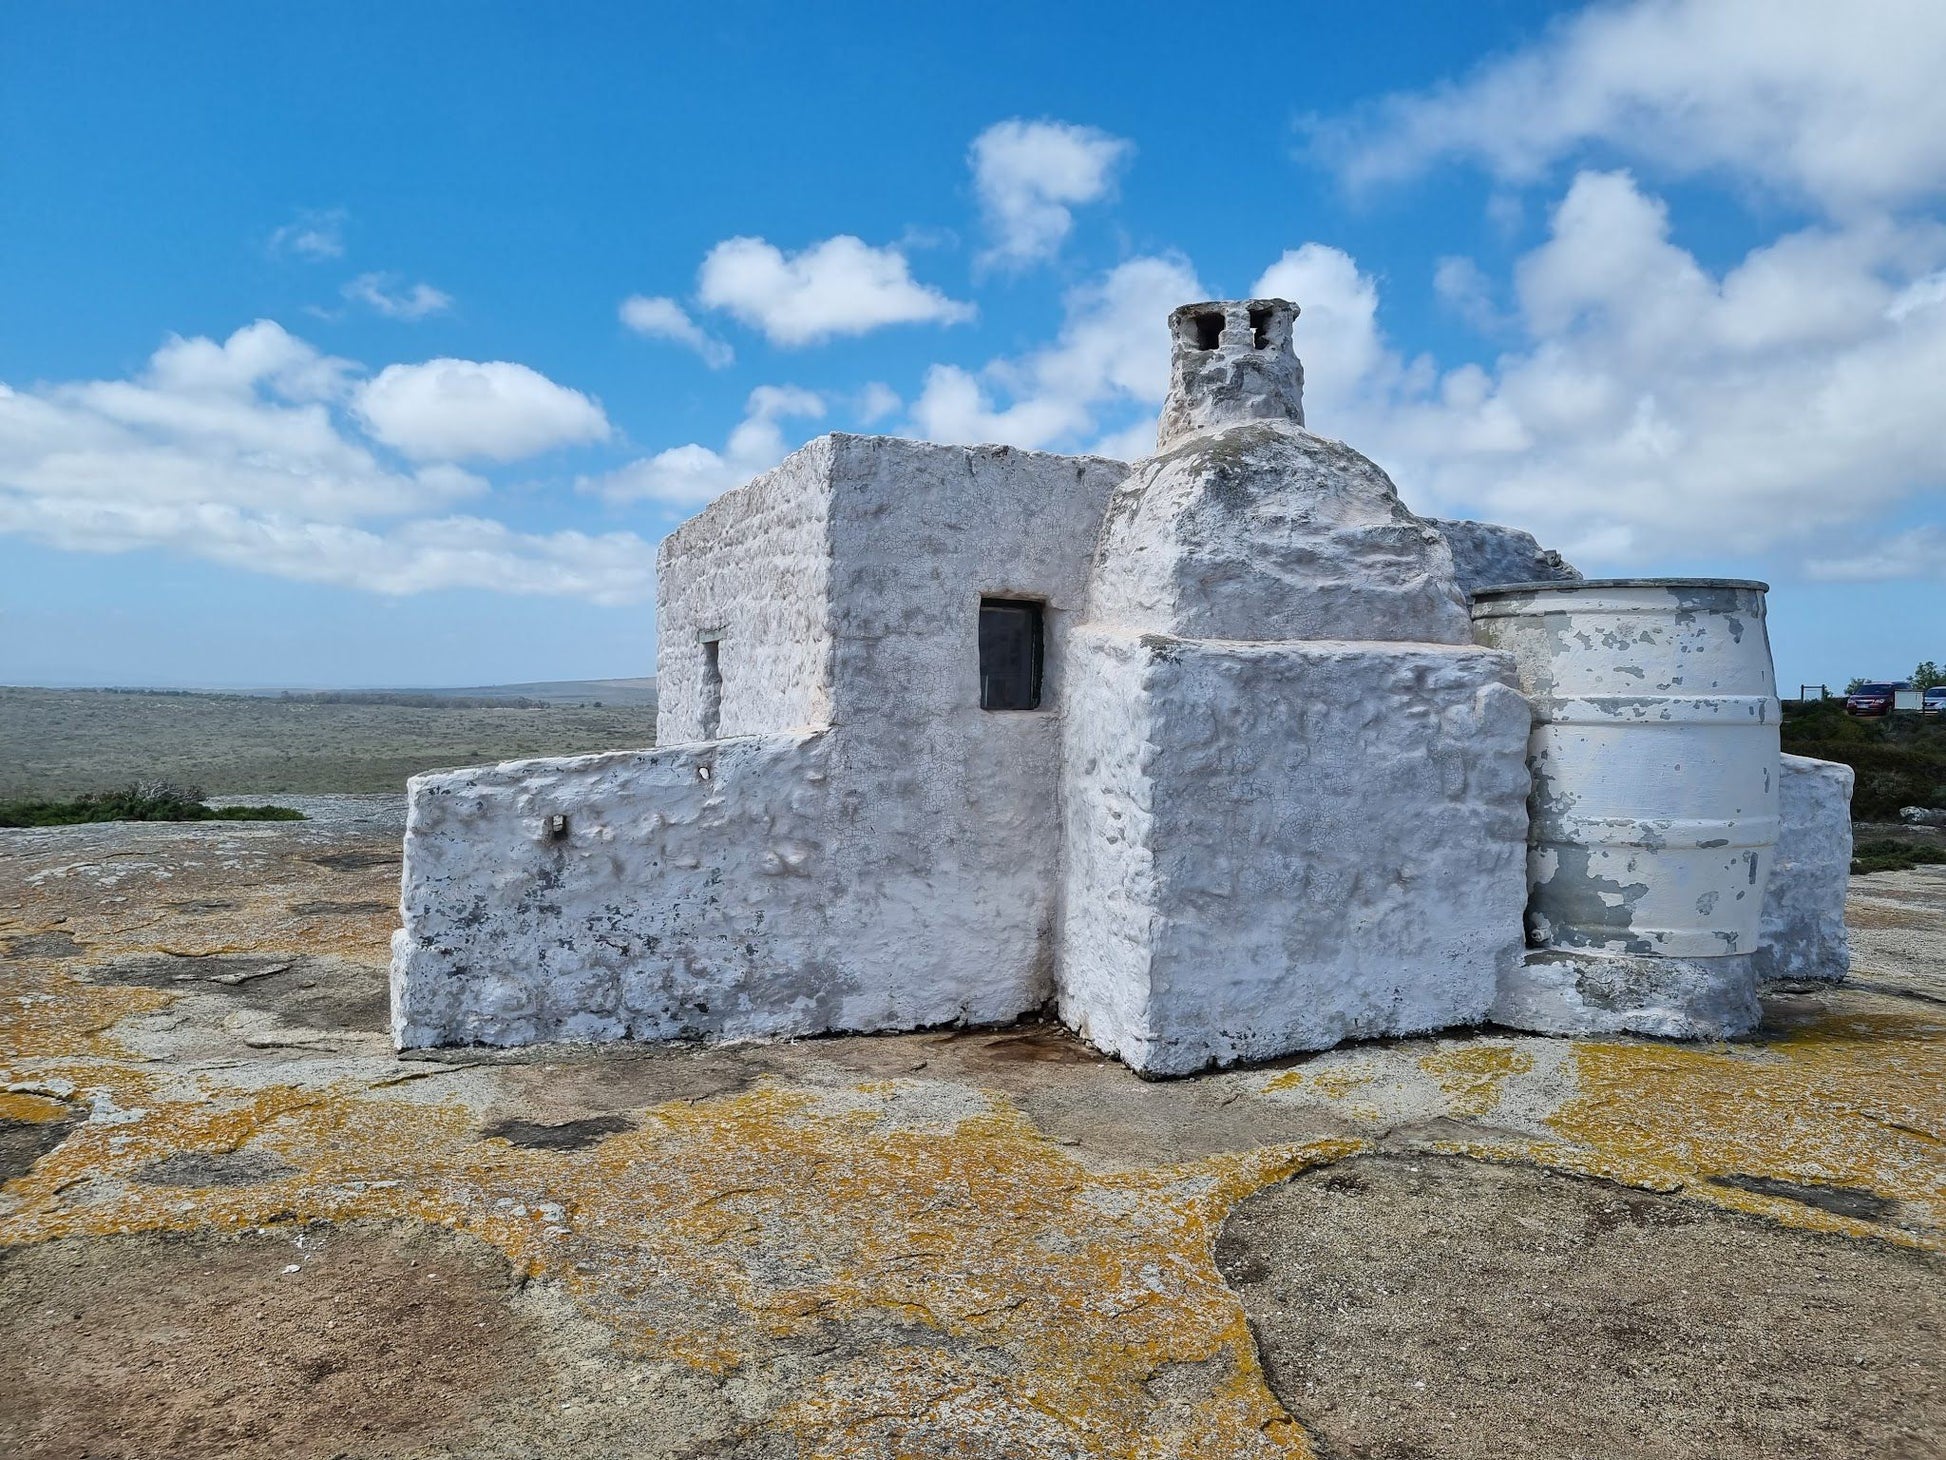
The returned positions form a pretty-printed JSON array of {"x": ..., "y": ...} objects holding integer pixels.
[
  {"x": 1578, "y": 991},
  {"x": 1275, "y": 847},
  {"x": 1231, "y": 361},
  {"x": 1803, "y": 933},
  {"x": 1486, "y": 554},
  {"x": 1265, "y": 531},
  {"x": 738, "y": 1273}
]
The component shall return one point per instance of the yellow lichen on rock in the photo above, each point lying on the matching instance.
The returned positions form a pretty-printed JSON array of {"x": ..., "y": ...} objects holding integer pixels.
[
  {"x": 1013, "y": 1291},
  {"x": 1853, "y": 1103},
  {"x": 909, "y": 1265},
  {"x": 1471, "y": 1074},
  {"x": 31, "y": 1109},
  {"x": 1333, "y": 1082},
  {"x": 49, "y": 1017}
]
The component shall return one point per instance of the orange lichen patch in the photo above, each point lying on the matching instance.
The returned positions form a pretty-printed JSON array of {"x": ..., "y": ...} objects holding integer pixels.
[
  {"x": 1854, "y": 1102},
  {"x": 46, "y": 1016},
  {"x": 718, "y": 1230},
  {"x": 1333, "y": 1082},
  {"x": 231, "y": 895},
  {"x": 1863, "y": 912},
  {"x": 31, "y": 1109},
  {"x": 1471, "y": 1074}
]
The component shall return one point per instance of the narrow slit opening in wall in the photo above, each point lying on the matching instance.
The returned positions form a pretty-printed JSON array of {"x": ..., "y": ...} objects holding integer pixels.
[
  {"x": 1012, "y": 653},
  {"x": 712, "y": 692},
  {"x": 1260, "y": 328},
  {"x": 1205, "y": 331}
]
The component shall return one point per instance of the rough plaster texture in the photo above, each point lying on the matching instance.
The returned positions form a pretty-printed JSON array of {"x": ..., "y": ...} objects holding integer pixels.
[
  {"x": 1803, "y": 933},
  {"x": 753, "y": 567},
  {"x": 897, "y": 870},
  {"x": 1275, "y": 847},
  {"x": 687, "y": 895},
  {"x": 1272, "y": 798},
  {"x": 1109, "y": 906},
  {"x": 947, "y": 815},
  {"x": 1231, "y": 361},
  {"x": 1265, "y": 531},
  {"x": 1486, "y": 554}
]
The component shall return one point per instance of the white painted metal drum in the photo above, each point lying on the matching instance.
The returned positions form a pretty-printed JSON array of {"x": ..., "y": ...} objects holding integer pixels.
[{"x": 1655, "y": 759}]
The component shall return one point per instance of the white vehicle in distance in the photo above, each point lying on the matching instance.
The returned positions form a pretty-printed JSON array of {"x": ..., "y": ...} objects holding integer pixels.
[{"x": 1934, "y": 702}]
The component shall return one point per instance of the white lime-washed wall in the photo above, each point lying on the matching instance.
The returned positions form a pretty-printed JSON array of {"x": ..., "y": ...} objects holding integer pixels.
[
  {"x": 1281, "y": 846},
  {"x": 949, "y": 814},
  {"x": 896, "y": 867},
  {"x": 754, "y": 568},
  {"x": 1272, "y": 798},
  {"x": 682, "y": 892},
  {"x": 1803, "y": 934}
]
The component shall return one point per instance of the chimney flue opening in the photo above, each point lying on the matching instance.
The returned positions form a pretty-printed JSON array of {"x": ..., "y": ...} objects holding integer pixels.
[{"x": 1204, "y": 331}]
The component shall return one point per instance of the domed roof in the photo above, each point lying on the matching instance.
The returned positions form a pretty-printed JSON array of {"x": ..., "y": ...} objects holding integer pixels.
[{"x": 1262, "y": 530}]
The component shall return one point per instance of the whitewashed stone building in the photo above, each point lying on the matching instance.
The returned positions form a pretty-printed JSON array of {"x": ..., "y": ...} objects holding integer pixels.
[{"x": 1200, "y": 752}]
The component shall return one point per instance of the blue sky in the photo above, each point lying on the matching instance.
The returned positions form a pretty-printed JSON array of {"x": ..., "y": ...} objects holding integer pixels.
[{"x": 379, "y": 344}]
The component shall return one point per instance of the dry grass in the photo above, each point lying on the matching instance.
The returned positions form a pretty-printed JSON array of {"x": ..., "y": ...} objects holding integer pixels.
[{"x": 59, "y": 743}]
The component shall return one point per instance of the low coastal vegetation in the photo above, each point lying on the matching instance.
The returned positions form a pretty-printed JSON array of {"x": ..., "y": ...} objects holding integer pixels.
[
  {"x": 138, "y": 801},
  {"x": 1883, "y": 854},
  {"x": 62, "y": 743},
  {"x": 1900, "y": 760}
]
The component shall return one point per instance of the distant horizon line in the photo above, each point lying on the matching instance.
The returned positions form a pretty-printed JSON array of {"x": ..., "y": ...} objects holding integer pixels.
[{"x": 205, "y": 687}]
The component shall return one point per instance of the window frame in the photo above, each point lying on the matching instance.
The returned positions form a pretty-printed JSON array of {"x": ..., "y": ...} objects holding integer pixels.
[{"x": 1035, "y": 612}]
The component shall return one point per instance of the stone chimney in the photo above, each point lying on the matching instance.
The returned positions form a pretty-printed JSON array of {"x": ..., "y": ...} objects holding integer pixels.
[{"x": 1231, "y": 361}]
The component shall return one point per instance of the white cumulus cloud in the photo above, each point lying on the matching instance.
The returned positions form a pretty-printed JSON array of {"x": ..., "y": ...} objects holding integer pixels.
[
  {"x": 1839, "y": 104},
  {"x": 1654, "y": 409},
  {"x": 1031, "y": 175},
  {"x": 661, "y": 318},
  {"x": 457, "y": 410},
  {"x": 841, "y": 286},
  {"x": 876, "y": 401},
  {"x": 412, "y": 557},
  {"x": 1109, "y": 362},
  {"x": 236, "y": 452},
  {"x": 382, "y": 294},
  {"x": 688, "y": 476}
]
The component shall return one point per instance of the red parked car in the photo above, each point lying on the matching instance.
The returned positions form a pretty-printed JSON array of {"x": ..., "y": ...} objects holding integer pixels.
[{"x": 1873, "y": 699}]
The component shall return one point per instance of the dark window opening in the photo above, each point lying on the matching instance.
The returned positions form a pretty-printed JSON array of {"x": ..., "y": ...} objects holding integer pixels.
[
  {"x": 1010, "y": 654},
  {"x": 1260, "y": 328},
  {"x": 712, "y": 692},
  {"x": 1206, "y": 331}
]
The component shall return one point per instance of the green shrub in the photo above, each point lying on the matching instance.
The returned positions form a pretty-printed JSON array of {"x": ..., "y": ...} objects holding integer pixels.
[
  {"x": 139, "y": 801},
  {"x": 1891, "y": 856},
  {"x": 1900, "y": 760}
]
